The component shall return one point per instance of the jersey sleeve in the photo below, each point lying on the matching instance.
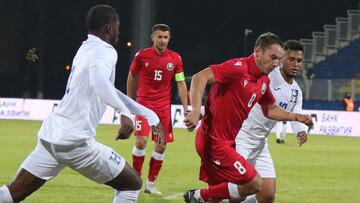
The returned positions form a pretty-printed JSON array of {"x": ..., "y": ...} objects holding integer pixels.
[
  {"x": 136, "y": 63},
  {"x": 100, "y": 69},
  {"x": 179, "y": 64},
  {"x": 297, "y": 126},
  {"x": 228, "y": 70},
  {"x": 104, "y": 58},
  {"x": 268, "y": 97}
]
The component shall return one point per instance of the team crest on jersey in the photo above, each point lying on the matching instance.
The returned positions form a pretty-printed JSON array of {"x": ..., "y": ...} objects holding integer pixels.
[
  {"x": 263, "y": 88},
  {"x": 170, "y": 66},
  {"x": 146, "y": 64}
]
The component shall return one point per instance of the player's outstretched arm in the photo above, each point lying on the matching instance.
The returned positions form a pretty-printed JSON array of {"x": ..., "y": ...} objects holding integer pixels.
[
  {"x": 138, "y": 109},
  {"x": 276, "y": 113}
]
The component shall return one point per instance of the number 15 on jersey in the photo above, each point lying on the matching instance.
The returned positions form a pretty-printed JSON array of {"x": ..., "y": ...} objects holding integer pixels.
[{"x": 158, "y": 75}]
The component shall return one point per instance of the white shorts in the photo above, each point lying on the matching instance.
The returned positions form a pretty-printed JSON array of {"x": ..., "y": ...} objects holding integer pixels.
[
  {"x": 90, "y": 158},
  {"x": 257, "y": 153}
]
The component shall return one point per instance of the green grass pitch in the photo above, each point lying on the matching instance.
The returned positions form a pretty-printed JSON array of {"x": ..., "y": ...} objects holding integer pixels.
[{"x": 324, "y": 170}]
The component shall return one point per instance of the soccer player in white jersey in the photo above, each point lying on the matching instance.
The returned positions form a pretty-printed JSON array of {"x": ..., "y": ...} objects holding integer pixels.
[
  {"x": 67, "y": 136},
  {"x": 252, "y": 140}
]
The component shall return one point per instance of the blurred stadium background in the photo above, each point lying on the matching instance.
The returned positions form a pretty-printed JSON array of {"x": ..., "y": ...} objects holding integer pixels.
[{"x": 39, "y": 39}]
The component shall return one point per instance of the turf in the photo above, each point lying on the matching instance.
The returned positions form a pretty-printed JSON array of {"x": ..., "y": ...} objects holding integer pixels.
[{"x": 324, "y": 170}]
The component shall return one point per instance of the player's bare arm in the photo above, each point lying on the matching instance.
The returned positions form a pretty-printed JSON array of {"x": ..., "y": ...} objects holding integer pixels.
[
  {"x": 197, "y": 88},
  {"x": 276, "y": 113},
  {"x": 126, "y": 128},
  {"x": 131, "y": 85},
  {"x": 182, "y": 89}
]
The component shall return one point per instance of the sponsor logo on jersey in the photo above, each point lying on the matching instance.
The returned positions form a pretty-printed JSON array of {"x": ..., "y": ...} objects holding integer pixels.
[
  {"x": 146, "y": 64},
  {"x": 263, "y": 88},
  {"x": 238, "y": 63},
  {"x": 277, "y": 88},
  {"x": 170, "y": 66},
  {"x": 245, "y": 82},
  {"x": 217, "y": 162}
]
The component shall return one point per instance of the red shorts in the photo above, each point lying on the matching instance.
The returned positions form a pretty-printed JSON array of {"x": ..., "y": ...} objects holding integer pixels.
[
  {"x": 142, "y": 127},
  {"x": 221, "y": 163}
]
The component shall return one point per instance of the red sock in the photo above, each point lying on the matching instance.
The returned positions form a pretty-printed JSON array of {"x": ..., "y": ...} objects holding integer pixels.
[
  {"x": 155, "y": 166},
  {"x": 215, "y": 192},
  {"x": 138, "y": 163}
]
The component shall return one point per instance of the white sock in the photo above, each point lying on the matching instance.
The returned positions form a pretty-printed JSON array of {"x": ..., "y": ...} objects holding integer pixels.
[
  {"x": 233, "y": 190},
  {"x": 5, "y": 196},
  {"x": 198, "y": 196},
  {"x": 250, "y": 199},
  {"x": 283, "y": 131},
  {"x": 278, "y": 130},
  {"x": 138, "y": 152},
  {"x": 128, "y": 196},
  {"x": 158, "y": 156}
]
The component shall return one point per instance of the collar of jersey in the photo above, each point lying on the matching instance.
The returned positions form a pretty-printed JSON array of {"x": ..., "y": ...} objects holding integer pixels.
[
  {"x": 93, "y": 38},
  {"x": 163, "y": 54}
]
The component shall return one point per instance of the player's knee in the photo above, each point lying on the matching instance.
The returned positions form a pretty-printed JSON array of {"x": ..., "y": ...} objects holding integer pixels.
[
  {"x": 268, "y": 198},
  {"x": 257, "y": 184},
  {"x": 137, "y": 183},
  {"x": 141, "y": 142},
  {"x": 160, "y": 148}
]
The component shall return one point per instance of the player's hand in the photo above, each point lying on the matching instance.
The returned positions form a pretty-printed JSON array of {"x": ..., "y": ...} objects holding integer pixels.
[
  {"x": 301, "y": 137},
  {"x": 158, "y": 131},
  {"x": 126, "y": 128},
  {"x": 186, "y": 113},
  {"x": 191, "y": 120},
  {"x": 304, "y": 118}
]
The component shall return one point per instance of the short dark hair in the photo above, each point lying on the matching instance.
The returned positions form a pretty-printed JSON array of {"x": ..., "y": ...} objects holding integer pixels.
[
  {"x": 293, "y": 45},
  {"x": 100, "y": 15},
  {"x": 267, "y": 39},
  {"x": 162, "y": 27}
]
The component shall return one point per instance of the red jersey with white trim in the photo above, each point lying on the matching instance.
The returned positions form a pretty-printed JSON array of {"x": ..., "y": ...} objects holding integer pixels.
[
  {"x": 155, "y": 75},
  {"x": 239, "y": 86}
]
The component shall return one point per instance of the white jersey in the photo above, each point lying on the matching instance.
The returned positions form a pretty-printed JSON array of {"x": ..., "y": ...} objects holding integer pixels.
[
  {"x": 287, "y": 96},
  {"x": 76, "y": 117}
]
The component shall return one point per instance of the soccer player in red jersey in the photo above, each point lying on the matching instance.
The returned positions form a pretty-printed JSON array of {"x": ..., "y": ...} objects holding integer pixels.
[
  {"x": 152, "y": 71},
  {"x": 237, "y": 85}
]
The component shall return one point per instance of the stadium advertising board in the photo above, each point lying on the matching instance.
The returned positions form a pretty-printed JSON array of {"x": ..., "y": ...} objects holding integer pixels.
[{"x": 326, "y": 122}]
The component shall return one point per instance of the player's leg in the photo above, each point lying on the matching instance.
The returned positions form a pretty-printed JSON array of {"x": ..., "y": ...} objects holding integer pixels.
[
  {"x": 278, "y": 129},
  {"x": 127, "y": 185},
  {"x": 228, "y": 174},
  {"x": 158, "y": 155},
  {"x": 156, "y": 161},
  {"x": 283, "y": 132},
  {"x": 103, "y": 165},
  {"x": 265, "y": 167},
  {"x": 36, "y": 169},
  {"x": 141, "y": 133}
]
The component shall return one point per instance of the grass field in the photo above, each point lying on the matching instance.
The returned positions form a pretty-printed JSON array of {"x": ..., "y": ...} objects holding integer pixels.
[{"x": 325, "y": 170}]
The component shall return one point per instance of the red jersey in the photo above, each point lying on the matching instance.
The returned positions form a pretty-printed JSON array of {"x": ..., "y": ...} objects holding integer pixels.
[
  {"x": 239, "y": 85},
  {"x": 156, "y": 73}
]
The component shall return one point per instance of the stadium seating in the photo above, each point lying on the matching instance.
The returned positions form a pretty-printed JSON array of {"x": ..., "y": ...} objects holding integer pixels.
[
  {"x": 344, "y": 64},
  {"x": 335, "y": 52}
]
